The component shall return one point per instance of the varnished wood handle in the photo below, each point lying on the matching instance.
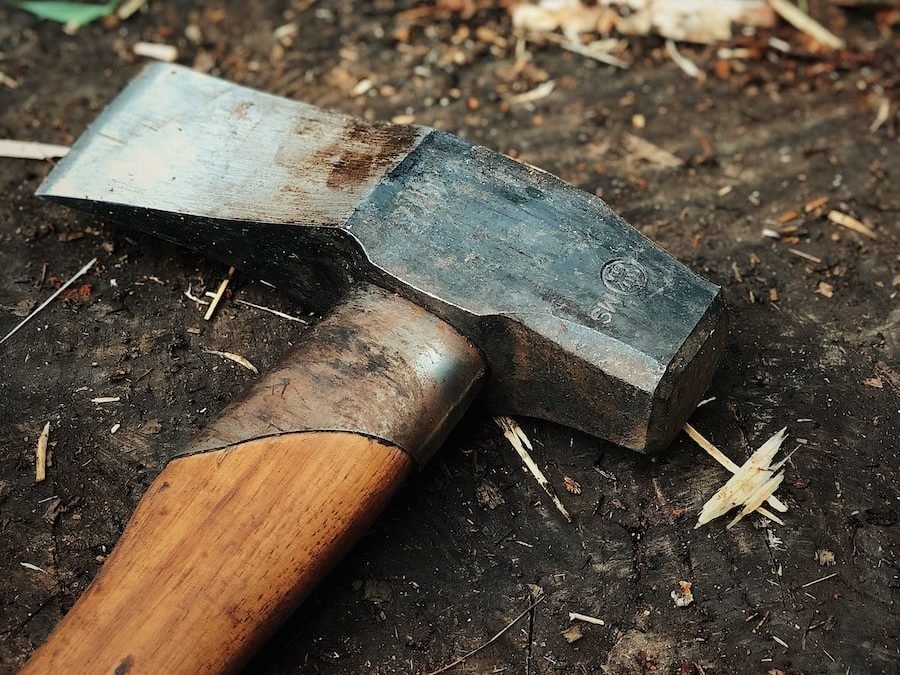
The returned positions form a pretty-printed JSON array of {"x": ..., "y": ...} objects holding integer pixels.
[
  {"x": 231, "y": 537},
  {"x": 223, "y": 546}
]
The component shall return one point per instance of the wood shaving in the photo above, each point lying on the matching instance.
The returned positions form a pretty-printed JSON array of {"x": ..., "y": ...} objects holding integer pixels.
[
  {"x": 237, "y": 358},
  {"x": 751, "y": 485},
  {"x": 521, "y": 444},
  {"x": 687, "y": 66},
  {"x": 532, "y": 95},
  {"x": 217, "y": 296},
  {"x": 40, "y": 462},
  {"x": 644, "y": 149},
  {"x": 825, "y": 289},
  {"x": 851, "y": 223},
  {"x": 725, "y": 461}
]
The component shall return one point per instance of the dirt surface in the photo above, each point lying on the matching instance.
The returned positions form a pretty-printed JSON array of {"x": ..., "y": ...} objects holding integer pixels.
[{"x": 814, "y": 346}]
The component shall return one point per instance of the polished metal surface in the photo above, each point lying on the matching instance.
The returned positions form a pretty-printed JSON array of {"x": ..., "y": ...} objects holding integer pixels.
[
  {"x": 377, "y": 365},
  {"x": 582, "y": 320}
]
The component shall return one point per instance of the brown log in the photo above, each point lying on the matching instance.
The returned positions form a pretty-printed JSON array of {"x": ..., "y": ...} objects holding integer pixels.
[{"x": 223, "y": 546}]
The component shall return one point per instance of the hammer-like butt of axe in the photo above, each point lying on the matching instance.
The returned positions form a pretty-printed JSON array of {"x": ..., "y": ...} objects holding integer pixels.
[{"x": 231, "y": 537}]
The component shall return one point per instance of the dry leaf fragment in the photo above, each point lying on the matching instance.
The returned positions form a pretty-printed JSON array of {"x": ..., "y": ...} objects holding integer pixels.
[
  {"x": 825, "y": 557},
  {"x": 683, "y": 595},
  {"x": 489, "y": 495},
  {"x": 572, "y": 485},
  {"x": 644, "y": 149},
  {"x": 573, "y": 634},
  {"x": 874, "y": 382}
]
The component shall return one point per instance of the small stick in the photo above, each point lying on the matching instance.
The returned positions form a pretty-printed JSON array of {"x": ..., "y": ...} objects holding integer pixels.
[
  {"x": 40, "y": 465},
  {"x": 46, "y": 302},
  {"x": 814, "y": 582},
  {"x": 472, "y": 653},
  {"x": 807, "y": 256},
  {"x": 218, "y": 296},
  {"x": 805, "y": 23},
  {"x": 575, "y": 616},
  {"x": 722, "y": 459},
  {"x": 517, "y": 438},
  {"x": 271, "y": 311}
]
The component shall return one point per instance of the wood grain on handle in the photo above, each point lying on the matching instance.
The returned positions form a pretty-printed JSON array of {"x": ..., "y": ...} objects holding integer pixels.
[{"x": 223, "y": 546}]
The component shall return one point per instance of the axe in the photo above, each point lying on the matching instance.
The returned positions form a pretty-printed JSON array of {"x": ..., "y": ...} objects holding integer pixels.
[{"x": 450, "y": 272}]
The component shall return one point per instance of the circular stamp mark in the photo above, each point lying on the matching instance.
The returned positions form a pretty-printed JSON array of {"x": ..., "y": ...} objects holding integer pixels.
[{"x": 624, "y": 276}]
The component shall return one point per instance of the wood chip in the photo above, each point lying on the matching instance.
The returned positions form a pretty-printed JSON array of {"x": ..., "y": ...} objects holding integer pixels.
[
  {"x": 30, "y": 150},
  {"x": 814, "y": 204},
  {"x": 217, "y": 296},
  {"x": 725, "y": 461},
  {"x": 33, "y": 568},
  {"x": 884, "y": 112},
  {"x": 749, "y": 484},
  {"x": 851, "y": 223},
  {"x": 541, "y": 91},
  {"x": 806, "y": 24},
  {"x": 129, "y": 7},
  {"x": 644, "y": 149},
  {"x": 825, "y": 289},
  {"x": 40, "y": 463},
  {"x": 687, "y": 66},
  {"x": 237, "y": 358},
  {"x": 106, "y": 399},
  {"x": 576, "y": 616},
  {"x": 46, "y": 302},
  {"x": 154, "y": 50},
  {"x": 521, "y": 444}
]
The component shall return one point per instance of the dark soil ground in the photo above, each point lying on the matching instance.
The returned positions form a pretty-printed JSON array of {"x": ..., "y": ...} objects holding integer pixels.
[{"x": 441, "y": 573}]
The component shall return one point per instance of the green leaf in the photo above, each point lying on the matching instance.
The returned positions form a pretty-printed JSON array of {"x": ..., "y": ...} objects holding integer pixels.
[{"x": 70, "y": 13}]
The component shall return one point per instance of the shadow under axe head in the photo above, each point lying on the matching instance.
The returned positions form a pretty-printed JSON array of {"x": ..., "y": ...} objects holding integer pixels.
[{"x": 581, "y": 319}]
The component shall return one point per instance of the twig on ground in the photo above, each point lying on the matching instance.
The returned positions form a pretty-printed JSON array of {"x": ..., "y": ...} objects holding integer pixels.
[
  {"x": 46, "y": 302},
  {"x": 517, "y": 438},
  {"x": 40, "y": 463},
  {"x": 472, "y": 653}
]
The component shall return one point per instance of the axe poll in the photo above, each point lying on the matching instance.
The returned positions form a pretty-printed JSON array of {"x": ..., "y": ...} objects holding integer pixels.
[{"x": 449, "y": 272}]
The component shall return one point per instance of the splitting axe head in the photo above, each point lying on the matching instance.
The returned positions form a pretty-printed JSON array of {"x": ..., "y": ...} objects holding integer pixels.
[{"x": 449, "y": 269}]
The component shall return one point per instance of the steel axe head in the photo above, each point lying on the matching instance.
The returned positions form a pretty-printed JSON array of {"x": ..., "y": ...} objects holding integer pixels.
[{"x": 581, "y": 319}]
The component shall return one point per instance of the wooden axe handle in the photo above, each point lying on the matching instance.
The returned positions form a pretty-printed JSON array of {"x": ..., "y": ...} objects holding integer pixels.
[
  {"x": 228, "y": 541},
  {"x": 223, "y": 546}
]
